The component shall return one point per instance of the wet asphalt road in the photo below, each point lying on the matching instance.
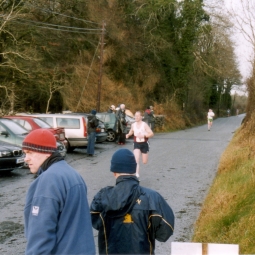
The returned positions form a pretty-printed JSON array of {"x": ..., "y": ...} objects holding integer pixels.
[{"x": 181, "y": 167}]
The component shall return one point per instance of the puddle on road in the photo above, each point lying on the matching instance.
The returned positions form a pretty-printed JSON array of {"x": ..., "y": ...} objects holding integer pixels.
[{"x": 8, "y": 229}]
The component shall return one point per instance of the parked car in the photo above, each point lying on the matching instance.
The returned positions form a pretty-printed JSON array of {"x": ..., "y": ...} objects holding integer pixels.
[
  {"x": 11, "y": 132},
  {"x": 31, "y": 123},
  {"x": 11, "y": 157},
  {"x": 130, "y": 120},
  {"x": 109, "y": 120},
  {"x": 101, "y": 134},
  {"x": 75, "y": 125}
]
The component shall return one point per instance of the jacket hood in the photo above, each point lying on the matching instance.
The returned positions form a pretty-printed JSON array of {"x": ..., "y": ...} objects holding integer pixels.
[{"x": 120, "y": 199}]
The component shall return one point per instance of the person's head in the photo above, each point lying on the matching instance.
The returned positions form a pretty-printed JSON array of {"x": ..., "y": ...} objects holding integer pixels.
[
  {"x": 112, "y": 107},
  {"x": 122, "y": 107},
  {"x": 123, "y": 163},
  {"x": 148, "y": 107},
  {"x": 210, "y": 110},
  {"x": 151, "y": 107},
  {"x": 94, "y": 112},
  {"x": 38, "y": 145},
  {"x": 138, "y": 116}
]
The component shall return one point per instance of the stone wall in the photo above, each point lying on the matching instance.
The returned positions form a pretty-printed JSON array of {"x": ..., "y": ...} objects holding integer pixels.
[{"x": 159, "y": 121}]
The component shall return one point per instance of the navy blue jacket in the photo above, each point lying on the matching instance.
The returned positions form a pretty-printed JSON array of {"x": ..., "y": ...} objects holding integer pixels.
[
  {"x": 57, "y": 218},
  {"x": 130, "y": 218}
]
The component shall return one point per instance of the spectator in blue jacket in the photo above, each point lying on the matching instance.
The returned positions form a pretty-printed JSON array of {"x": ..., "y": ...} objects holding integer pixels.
[
  {"x": 129, "y": 217},
  {"x": 57, "y": 218},
  {"x": 92, "y": 125}
]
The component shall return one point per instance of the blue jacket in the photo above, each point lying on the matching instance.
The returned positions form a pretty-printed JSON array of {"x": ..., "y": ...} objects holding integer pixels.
[
  {"x": 57, "y": 218},
  {"x": 130, "y": 218}
]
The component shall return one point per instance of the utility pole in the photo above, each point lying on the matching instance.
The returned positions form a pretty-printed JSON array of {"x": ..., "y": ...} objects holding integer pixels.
[{"x": 100, "y": 68}]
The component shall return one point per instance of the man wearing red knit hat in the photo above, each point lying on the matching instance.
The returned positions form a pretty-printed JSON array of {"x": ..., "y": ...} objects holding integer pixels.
[{"x": 57, "y": 217}]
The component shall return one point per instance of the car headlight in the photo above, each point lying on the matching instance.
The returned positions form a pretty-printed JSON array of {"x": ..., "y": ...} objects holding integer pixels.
[
  {"x": 60, "y": 148},
  {"x": 5, "y": 154}
]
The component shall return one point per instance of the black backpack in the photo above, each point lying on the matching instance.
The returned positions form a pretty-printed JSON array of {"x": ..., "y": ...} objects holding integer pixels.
[{"x": 93, "y": 122}]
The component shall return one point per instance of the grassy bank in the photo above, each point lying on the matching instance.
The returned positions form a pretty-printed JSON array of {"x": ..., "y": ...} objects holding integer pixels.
[{"x": 228, "y": 213}]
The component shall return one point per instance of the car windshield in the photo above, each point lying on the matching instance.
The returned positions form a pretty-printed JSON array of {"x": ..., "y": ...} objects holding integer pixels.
[
  {"x": 14, "y": 127},
  {"x": 41, "y": 123}
]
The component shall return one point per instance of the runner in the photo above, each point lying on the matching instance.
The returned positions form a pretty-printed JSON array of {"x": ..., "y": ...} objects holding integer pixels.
[
  {"x": 142, "y": 133},
  {"x": 210, "y": 116}
]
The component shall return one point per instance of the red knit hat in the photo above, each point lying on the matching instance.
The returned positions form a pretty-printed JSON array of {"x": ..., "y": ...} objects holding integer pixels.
[{"x": 40, "y": 140}]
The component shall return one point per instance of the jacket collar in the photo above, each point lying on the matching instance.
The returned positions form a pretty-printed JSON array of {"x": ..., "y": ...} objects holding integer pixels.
[
  {"x": 123, "y": 178},
  {"x": 55, "y": 157}
]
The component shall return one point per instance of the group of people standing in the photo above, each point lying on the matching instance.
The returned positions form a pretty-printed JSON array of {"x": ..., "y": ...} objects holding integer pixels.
[
  {"x": 121, "y": 122},
  {"x": 59, "y": 220},
  {"x": 120, "y": 126}
]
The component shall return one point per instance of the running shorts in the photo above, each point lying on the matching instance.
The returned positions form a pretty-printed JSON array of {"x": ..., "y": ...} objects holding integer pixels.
[
  {"x": 143, "y": 147},
  {"x": 210, "y": 120}
]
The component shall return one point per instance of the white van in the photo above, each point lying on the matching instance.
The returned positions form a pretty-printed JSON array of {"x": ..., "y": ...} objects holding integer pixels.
[{"x": 75, "y": 128}]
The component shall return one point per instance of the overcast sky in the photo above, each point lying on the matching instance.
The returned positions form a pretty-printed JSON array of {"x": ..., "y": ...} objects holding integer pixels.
[{"x": 243, "y": 48}]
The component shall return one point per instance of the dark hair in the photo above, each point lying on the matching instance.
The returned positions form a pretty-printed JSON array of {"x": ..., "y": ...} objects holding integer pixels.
[{"x": 148, "y": 107}]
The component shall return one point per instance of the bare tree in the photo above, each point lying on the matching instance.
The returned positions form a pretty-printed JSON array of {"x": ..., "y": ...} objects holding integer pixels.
[
  {"x": 15, "y": 57},
  {"x": 57, "y": 83},
  {"x": 244, "y": 20}
]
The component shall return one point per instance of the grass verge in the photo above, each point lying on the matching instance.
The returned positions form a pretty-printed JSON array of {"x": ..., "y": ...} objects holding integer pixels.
[{"x": 228, "y": 213}]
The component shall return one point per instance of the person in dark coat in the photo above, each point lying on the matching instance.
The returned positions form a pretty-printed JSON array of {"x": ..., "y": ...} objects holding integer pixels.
[
  {"x": 129, "y": 217},
  {"x": 92, "y": 125},
  {"x": 121, "y": 125},
  {"x": 146, "y": 115},
  {"x": 152, "y": 118}
]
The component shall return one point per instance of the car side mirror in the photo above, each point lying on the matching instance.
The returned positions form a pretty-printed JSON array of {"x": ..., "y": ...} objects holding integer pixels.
[{"x": 4, "y": 133}]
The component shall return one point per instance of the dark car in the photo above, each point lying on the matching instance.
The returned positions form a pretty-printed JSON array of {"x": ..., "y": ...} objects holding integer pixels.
[
  {"x": 109, "y": 120},
  {"x": 13, "y": 133},
  {"x": 101, "y": 134},
  {"x": 32, "y": 123},
  {"x": 11, "y": 157}
]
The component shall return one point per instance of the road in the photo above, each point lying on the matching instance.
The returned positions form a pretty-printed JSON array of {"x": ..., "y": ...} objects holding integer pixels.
[{"x": 181, "y": 167}]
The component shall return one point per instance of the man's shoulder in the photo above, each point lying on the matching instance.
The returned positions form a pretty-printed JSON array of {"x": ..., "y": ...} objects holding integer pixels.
[
  {"x": 151, "y": 199},
  {"x": 150, "y": 192},
  {"x": 61, "y": 169},
  {"x": 103, "y": 193},
  {"x": 106, "y": 190}
]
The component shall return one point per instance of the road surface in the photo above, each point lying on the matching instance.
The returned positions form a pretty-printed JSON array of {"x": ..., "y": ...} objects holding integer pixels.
[{"x": 181, "y": 167}]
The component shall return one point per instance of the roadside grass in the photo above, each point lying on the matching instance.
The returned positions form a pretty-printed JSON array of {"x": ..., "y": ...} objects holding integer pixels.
[{"x": 228, "y": 213}]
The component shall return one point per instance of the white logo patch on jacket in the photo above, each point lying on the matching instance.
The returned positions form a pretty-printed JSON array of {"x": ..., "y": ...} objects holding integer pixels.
[{"x": 35, "y": 210}]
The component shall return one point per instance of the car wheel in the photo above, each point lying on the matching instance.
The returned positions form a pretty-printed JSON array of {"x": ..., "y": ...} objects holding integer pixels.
[
  {"x": 111, "y": 136},
  {"x": 69, "y": 148}
]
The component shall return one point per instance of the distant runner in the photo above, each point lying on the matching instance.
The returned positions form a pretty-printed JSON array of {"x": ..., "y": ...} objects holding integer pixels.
[
  {"x": 142, "y": 133},
  {"x": 210, "y": 116}
]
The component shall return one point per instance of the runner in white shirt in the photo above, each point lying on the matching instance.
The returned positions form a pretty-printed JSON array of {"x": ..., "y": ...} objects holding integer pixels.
[
  {"x": 210, "y": 116},
  {"x": 142, "y": 133}
]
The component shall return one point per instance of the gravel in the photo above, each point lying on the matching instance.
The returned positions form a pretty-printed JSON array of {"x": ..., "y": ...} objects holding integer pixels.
[{"x": 181, "y": 167}]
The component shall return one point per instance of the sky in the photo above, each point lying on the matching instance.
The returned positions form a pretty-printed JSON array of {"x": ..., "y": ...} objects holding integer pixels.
[{"x": 243, "y": 48}]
